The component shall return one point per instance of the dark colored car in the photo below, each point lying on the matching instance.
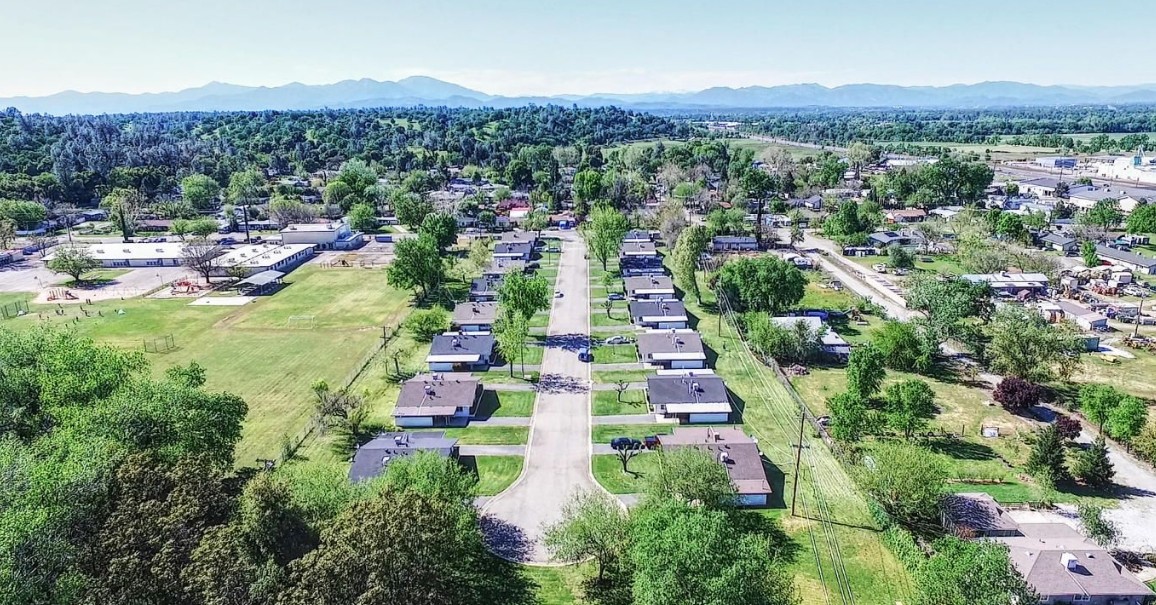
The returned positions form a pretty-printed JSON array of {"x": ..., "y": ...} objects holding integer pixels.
[
  {"x": 616, "y": 296},
  {"x": 584, "y": 354},
  {"x": 625, "y": 443},
  {"x": 650, "y": 442}
]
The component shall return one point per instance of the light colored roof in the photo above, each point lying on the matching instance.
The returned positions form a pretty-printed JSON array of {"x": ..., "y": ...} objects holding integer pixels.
[
  {"x": 705, "y": 407},
  {"x": 452, "y": 358},
  {"x": 1125, "y": 257},
  {"x": 470, "y": 313},
  {"x": 1040, "y": 555},
  {"x": 319, "y": 227},
  {"x": 262, "y": 278},
  {"x": 1003, "y": 280},
  {"x": 430, "y": 395},
  {"x": 133, "y": 251},
  {"x": 261, "y": 255}
]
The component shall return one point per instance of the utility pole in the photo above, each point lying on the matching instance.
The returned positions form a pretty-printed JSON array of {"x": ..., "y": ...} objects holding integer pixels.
[
  {"x": 798, "y": 460},
  {"x": 1139, "y": 312}
]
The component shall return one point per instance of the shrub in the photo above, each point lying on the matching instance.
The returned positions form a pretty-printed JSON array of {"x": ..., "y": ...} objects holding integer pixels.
[
  {"x": 1068, "y": 427},
  {"x": 1017, "y": 394},
  {"x": 427, "y": 324}
]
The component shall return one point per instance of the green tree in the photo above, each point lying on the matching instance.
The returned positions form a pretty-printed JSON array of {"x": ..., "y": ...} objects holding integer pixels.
[
  {"x": 907, "y": 482},
  {"x": 1089, "y": 254},
  {"x": 201, "y": 191},
  {"x": 903, "y": 347},
  {"x": 425, "y": 324},
  {"x": 682, "y": 554},
  {"x": 1127, "y": 418},
  {"x": 691, "y": 475},
  {"x": 510, "y": 332},
  {"x": 411, "y": 209},
  {"x": 865, "y": 371},
  {"x": 1095, "y": 526},
  {"x": 1023, "y": 344},
  {"x": 604, "y": 232},
  {"x": 963, "y": 572},
  {"x": 860, "y": 154},
  {"x": 391, "y": 536},
  {"x": 796, "y": 343},
  {"x": 417, "y": 264},
  {"x": 1106, "y": 213},
  {"x": 763, "y": 283},
  {"x": 727, "y": 222},
  {"x": 757, "y": 185},
  {"x": 1092, "y": 465},
  {"x": 519, "y": 175},
  {"x": 289, "y": 211},
  {"x": 1142, "y": 219},
  {"x": 587, "y": 186},
  {"x": 74, "y": 262},
  {"x": 26, "y": 215},
  {"x": 899, "y": 258},
  {"x": 245, "y": 190},
  {"x": 433, "y": 476},
  {"x": 945, "y": 303},
  {"x": 524, "y": 295},
  {"x": 479, "y": 254},
  {"x": 362, "y": 217},
  {"x": 1046, "y": 460},
  {"x": 1099, "y": 404},
  {"x": 537, "y": 221},
  {"x": 850, "y": 417},
  {"x": 593, "y": 525},
  {"x": 7, "y": 233},
  {"x": 123, "y": 206},
  {"x": 908, "y": 405},
  {"x": 692, "y": 243},
  {"x": 440, "y": 227}
]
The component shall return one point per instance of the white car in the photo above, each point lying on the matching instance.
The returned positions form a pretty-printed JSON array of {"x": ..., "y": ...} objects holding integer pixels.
[
  {"x": 557, "y": 294},
  {"x": 879, "y": 267},
  {"x": 617, "y": 340}
]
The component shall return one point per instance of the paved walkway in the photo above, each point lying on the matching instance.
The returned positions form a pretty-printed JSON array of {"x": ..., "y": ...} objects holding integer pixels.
[
  {"x": 509, "y": 386},
  {"x": 631, "y": 365},
  {"x": 626, "y": 419},
  {"x": 610, "y": 386},
  {"x": 501, "y": 421},
  {"x": 558, "y": 456},
  {"x": 491, "y": 450}
]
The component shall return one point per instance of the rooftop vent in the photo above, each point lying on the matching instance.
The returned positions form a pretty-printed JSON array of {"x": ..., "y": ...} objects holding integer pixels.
[{"x": 1069, "y": 561}]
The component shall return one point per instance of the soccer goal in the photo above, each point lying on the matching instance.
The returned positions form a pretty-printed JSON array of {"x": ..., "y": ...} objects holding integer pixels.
[{"x": 301, "y": 322}]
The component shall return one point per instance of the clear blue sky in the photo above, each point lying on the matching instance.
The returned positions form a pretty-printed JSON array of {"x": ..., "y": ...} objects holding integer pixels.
[{"x": 569, "y": 46}]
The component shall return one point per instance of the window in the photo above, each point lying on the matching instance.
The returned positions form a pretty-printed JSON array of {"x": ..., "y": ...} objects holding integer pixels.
[{"x": 1081, "y": 598}]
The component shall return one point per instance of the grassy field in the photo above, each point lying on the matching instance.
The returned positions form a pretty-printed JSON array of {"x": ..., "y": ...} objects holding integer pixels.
[
  {"x": 490, "y": 435},
  {"x": 619, "y": 316},
  {"x": 608, "y": 472},
  {"x": 610, "y": 376},
  {"x": 1002, "y": 152},
  {"x": 495, "y": 473},
  {"x": 603, "y": 433},
  {"x": 253, "y": 350},
  {"x": 761, "y": 148},
  {"x": 506, "y": 404},
  {"x": 606, "y": 403},
  {"x": 624, "y": 353}
]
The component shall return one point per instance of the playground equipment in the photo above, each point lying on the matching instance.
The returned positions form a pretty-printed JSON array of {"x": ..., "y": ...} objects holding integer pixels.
[
  {"x": 185, "y": 286},
  {"x": 61, "y": 294}
]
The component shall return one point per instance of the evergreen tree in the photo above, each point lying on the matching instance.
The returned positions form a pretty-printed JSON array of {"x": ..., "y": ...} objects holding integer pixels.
[
  {"x": 1092, "y": 465},
  {"x": 1046, "y": 461}
]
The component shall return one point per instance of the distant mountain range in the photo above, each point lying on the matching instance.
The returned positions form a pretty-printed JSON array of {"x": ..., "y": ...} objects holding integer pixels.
[{"x": 420, "y": 90}]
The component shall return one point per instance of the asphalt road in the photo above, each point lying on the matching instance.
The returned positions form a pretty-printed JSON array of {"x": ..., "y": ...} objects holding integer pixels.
[{"x": 557, "y": 462}]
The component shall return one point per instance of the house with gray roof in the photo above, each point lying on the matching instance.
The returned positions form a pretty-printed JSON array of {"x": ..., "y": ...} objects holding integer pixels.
[
  {"x": 659, "y": 314},
  {"x": 1130, "y": 260},
  {"x": 371, "y": 458},
  {"x": 520, "y": 250},
  {"x": 437, "y": 400},
  {"x": 1059, "y": 242},
  {"x": 501, "y": 266},
  {"x": 475, "y": 316},
  {"x": 649, "y": 287},
  {"x": 519, "y": 237},
  {"x": 671, "y": 349},
  {"x": 735, "y": 451},
  {"x": 461, "y": 352},
  {"x": 733, "y": 243},
  {"x": 637, "y": 249},
  {"x": 637, "y": 236},
  {"x": 485, "y": 289},
  {"x": 632, "y": 266},
  {"x": 689, "y": 398}
]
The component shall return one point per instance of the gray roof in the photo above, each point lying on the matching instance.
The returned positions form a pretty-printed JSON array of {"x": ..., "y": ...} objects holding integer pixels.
[
  {"x": 637, "y": 248},
  {"x": 261, "y": 279},
  {"x": 743, "y": 461},
  {"x": 1127, "y": 257},
  {"x": 371, "y": 458},
  {"x": 664, "y": 341},
  {"x": 648, "y": 282},
  {"x": 469, "y": 313},
  {"x": 680, "y": 389},
  {"x": 513, "y": 247},
  {"x": 978, "y": 512},
  {"x": 888, "y": 237},
  {"x": 637, "y": 263},
  {"x": 1058, "y": 239},
  {"x": 733, "y": 239},
  {"x": 519, "y": 236},
  {"x": 437, "y": 395},
  {"x": 485, "y": 284},
  {"x": 462, "y": 344},
  {"x": 1039, "y": 555},
  {"x": 656, "y": 308},
  {"x": 501, "y": 266},
  {"x": 638, "y": 234}
]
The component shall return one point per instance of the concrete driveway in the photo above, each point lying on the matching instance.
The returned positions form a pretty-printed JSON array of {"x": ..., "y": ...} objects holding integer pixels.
[{"x": 557, "y": 461}]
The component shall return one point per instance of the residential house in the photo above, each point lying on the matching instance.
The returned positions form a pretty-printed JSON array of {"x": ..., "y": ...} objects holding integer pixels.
[
  {"x": 637, "y": 236},
  {"x": 689, "y": 398},
  {"x": 461, "y": 352},
  {"x": 371, "y": 458},
  {"x": 663, "y": 315},
  {"x": 1040, "y": 187},
  {"x": 501, "y": 266},
  {"x": 520, "y": 237},
  {"x": 814, "y": 202},
  {"x": 334, "y": 235},
  {"x": 1081, "y": 316},
  {"x": 1059, "y": 242},
  {"x": 799, "y": 260},
  {"x": 733, "y": 449},
  {"x": 475, "y": 316},
  {"x": 906, "y": 215},
  {"x": 671, "y": 350},
  {"x": 884, "y": 239},
  {"x": 1058, "y": 563},
  {"x": 829, "y": 341},
  {"x": 485, "y": 289},
  {"x": 437, "y": 400},
  {"x": 513, "y": 250},
  {"x": 946, "y": 212},
  {"x": 637, "y": 249},
  {"x": 632, "y": 266},
  {"x": 649, "y": 287},
  {"x": 733, "y": 243},
  {"x": 1130, "y": 260},
  {"x": 1011, "y": 283}
]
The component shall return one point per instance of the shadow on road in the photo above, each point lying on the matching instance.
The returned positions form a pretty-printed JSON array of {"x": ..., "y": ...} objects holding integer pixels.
[
  {"x": 568, "y": 342},
  {"x": 505, "y": 539},
  {"x": 557, "y": 383}
]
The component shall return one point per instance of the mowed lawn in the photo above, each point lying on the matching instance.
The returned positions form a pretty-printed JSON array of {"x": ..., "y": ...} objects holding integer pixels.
[{"x": 251, "y": 350}]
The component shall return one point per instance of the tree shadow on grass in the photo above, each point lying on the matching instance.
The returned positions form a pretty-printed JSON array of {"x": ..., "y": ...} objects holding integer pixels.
[
  {"x": 506, "y": 540},
  {"x": 962, "y": 450},
  {"x": 614, "y": 589},
  {"x": 488, "y": 406}
]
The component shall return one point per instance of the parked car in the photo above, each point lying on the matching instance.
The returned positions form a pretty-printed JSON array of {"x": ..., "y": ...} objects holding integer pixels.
[
  {"x": 880, "y": 267},
  {"x": 617, "y": 340},
  {"x": 227, "y": 241},
  {"x": 584, "y": 354},
  {"x": 557, "y": 294},
  {"x": 616, "y": 296},
  {"x": 625, "y": 443},
  {"x": 650, "y": 442}
]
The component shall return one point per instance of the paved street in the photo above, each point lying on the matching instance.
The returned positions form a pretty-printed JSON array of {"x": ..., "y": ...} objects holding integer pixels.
[{"x": 558, "y": 457}]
